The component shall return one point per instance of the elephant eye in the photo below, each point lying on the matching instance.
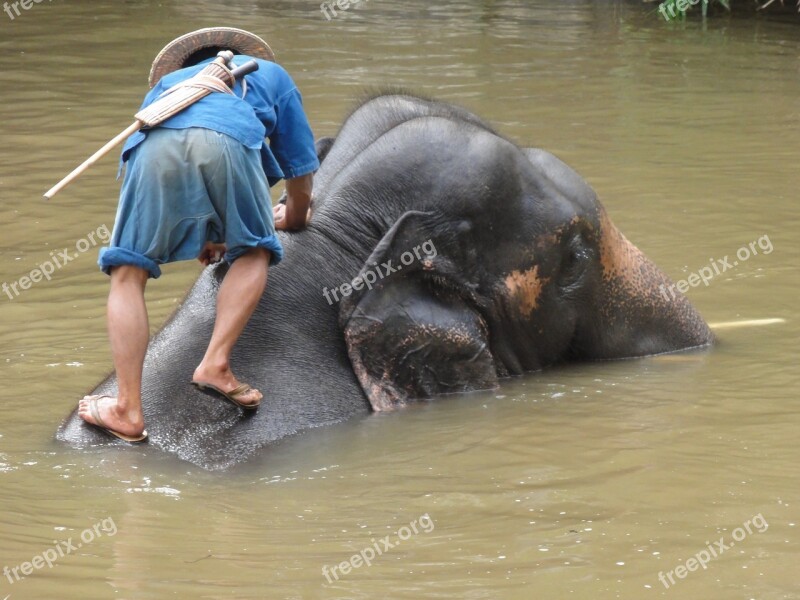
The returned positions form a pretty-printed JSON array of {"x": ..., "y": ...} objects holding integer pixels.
[{"x": 575, "y": 260}]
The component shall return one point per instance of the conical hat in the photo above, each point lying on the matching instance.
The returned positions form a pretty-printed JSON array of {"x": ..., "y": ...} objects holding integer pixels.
[{"x": 175, "y": 54}]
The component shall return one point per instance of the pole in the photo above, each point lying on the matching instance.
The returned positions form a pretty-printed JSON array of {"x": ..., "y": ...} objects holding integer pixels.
[
  {"x": 78, "y": 171},
  {"x": 237, "y": 73}
]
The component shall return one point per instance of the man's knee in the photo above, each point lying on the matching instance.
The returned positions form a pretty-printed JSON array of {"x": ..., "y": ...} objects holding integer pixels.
[{"x": 129, "y": 274}]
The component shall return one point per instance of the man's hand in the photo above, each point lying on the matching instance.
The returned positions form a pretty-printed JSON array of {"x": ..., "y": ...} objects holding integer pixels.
[
  {"x": 295, "y": 214},
  {"x": 279, "y": 214},
  {"x": 211, "y": 253}
]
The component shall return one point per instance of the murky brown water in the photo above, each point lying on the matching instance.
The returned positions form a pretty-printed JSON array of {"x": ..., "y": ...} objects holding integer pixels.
[{"x": 581, "y": 482}]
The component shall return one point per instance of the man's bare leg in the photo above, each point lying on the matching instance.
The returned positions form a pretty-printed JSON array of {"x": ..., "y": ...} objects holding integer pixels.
[
  {"x": 128, "y": 331},
  {"x": 237, "y": 299}
]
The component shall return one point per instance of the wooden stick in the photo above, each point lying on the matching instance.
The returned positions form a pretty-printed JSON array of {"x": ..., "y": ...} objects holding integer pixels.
[
  {"x": 93, "y": 159},
  {"x": 159, "y": 112}
]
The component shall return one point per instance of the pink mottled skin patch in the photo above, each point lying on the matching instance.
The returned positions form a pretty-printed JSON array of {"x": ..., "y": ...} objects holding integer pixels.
[
  {"x": 618, "y": 257},
  {"x": 630, "y": 301},
  {"x": 524, "y": 288}
]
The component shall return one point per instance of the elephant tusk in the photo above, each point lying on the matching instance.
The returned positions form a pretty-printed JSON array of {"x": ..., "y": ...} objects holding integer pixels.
[{"x": 745, "y": 323}]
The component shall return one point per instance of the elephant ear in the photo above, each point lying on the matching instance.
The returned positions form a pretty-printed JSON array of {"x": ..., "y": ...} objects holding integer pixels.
[
  {"x": 322, "y": 147},
  {"x": 410, "y": 327}
]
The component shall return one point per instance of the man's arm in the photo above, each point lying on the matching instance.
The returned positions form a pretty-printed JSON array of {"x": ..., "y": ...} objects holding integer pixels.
[{"x": 297, "y": 212}]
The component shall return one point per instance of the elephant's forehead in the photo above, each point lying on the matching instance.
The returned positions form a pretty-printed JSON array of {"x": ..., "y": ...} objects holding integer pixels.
[{"x": 524, "y": 289}]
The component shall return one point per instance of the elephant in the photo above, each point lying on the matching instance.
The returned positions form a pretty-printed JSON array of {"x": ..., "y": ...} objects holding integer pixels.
[{"x": 440, "y": 258}]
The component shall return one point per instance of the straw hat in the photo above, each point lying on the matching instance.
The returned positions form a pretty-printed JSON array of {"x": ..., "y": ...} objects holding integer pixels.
[{"x": 175, "y": 54}]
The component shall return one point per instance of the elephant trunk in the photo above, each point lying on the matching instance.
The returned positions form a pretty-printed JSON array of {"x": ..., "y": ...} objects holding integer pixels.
[{"x": 637, "y": 311}]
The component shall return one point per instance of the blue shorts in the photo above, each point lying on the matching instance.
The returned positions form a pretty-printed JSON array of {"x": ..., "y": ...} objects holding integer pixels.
[{"x": 186, "y": 187}]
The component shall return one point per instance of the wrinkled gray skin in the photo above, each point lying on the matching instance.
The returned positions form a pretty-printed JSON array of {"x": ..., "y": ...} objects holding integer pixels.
[{"x": 529, "y": 271}]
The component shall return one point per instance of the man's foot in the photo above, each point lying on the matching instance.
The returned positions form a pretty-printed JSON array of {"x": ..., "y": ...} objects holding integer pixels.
[
  {"x": 103, "y": 411},
  {"x": 224, "y": 382}
]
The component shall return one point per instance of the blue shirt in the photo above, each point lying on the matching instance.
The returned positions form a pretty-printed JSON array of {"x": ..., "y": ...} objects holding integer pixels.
[{"x": 272, "y": 108}]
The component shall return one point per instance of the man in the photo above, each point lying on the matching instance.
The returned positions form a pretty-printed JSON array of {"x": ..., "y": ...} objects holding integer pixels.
[{"x": 196, "y": 186}]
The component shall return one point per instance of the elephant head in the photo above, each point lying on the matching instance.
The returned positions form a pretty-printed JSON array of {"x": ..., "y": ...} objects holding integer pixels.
[{"x": 493, "y": 261}]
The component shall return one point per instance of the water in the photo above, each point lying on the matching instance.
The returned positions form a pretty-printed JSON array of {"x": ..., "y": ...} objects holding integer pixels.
[{"x": 585, "y": 481}]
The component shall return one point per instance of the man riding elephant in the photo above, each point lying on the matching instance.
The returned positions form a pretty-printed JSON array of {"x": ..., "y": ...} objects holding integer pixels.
[
  {"x": 197, "y": 186},
  {"x": 520, "y": 268}
]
